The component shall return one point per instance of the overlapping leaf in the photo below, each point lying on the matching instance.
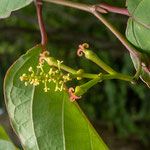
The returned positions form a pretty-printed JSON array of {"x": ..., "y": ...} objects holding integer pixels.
[
  {"x": 7, "y": 6},
  {"x": 138, "y": 30},
  {"x": 139, "y": 33},
  {"x": 46, "y": 121},
  {"x": 5, "y": 142}
]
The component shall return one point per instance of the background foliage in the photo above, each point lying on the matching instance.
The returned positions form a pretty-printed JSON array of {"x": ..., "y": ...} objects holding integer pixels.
[{"x": 122, "y": 107}]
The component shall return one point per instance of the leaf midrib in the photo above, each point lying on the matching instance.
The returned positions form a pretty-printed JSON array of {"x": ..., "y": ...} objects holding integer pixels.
[
  {"x": 33, "y": 91},
  {"x": 63, "y": 129},
  {"x": 137, "y": 7}
]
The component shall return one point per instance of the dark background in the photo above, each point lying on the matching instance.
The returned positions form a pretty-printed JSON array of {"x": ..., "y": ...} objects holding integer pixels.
[{"x": 119, "y": 111}]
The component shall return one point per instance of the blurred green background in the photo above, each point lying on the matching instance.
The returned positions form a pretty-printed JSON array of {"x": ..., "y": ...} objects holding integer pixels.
[{"x": 119, "y": 111}]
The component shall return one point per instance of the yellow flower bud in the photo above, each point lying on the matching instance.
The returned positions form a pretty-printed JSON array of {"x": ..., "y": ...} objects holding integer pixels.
[
  {"x": 30, "y": 69},
  {"x": 26, "y": 83},
  {"x": 21, "y": 78}
]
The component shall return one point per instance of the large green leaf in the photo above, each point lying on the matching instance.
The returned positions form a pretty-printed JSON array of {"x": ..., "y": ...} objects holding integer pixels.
[
  {"x": 7, "y": 6},
  {"x": 46, "y": 121},
  {"x": 5, "y": 142},
  {"x": 137, "y": 33}
]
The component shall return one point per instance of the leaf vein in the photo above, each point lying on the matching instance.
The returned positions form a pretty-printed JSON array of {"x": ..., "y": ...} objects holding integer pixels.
[
  {"x": 91, "y": 143},
  {"x": 63, "y": 132}
]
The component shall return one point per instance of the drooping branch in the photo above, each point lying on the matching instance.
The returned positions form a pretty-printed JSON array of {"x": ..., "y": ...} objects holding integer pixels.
[
  {"x": 93, "y": 10},
  {"x": 96, "y": 11},
  {"x": 41, "y": 24}
]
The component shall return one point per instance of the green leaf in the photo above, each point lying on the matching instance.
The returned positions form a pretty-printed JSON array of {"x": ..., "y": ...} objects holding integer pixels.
[
  {"x": 132, "y": 5},
  {"x": 145, "y": 76},
  {"x": 46, "y": 121},
  {"x": 5, "y": 142},
  {"x": 137, "y": 33},
  {"x": 3, "y": 134},
  {"x": 7, "y": 6}
]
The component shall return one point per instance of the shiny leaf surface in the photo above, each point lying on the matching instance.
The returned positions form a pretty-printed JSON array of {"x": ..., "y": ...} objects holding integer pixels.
[
  {"x": 7, "y": 6},
  {"x": 46, "y": 121},
  {"x": 139, "y": 33}
]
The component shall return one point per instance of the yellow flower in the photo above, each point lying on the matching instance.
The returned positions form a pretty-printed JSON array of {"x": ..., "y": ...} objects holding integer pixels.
[{"x": 54, "y": 75}]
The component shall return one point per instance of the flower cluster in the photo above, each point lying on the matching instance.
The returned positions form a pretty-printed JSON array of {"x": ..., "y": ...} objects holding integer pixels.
[{"x": 54, "y": 75}]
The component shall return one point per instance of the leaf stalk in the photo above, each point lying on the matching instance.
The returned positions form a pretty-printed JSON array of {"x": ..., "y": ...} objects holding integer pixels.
[{"x": 39, "y": 5}]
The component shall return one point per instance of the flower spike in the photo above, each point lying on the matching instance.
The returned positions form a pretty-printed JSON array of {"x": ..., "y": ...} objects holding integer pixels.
[
  {"x": 54, "y": 74},
  {"x": 72, "y": 96},
  {"x": 81, "y": 49}
]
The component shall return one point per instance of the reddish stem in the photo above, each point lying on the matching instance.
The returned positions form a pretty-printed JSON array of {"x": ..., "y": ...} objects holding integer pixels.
[
  {"x": 122, "y": 11},
  {"x": 118, "y": 10},
  {"x": 41, "y": 24}
]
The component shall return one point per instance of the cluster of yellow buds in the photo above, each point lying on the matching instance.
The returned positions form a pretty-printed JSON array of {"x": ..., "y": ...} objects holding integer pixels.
[{"x": 54, "y": 75}]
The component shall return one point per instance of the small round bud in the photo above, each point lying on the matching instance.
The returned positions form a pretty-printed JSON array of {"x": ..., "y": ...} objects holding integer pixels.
[
  {"x": 80, "y": 71},
  {"x": 36, "y": 83},
  {"x": 80, "y": 91},
  {"x": 30, "y": 69},
  {"x": 21, "y": 78},
  {"x": 24, "y": 75},
  {"x": 100, "y": 75},
  {"x": 26, "y": 83},
  {"x": 79, "y": 78},
  {"x": 57, "y": 71}
]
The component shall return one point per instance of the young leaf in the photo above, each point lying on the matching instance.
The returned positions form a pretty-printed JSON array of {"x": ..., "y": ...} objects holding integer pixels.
[
  {"x": 46, "y": 121},
  {"x": 5, "y": 142},
  {"x": 7, "y": 6}
]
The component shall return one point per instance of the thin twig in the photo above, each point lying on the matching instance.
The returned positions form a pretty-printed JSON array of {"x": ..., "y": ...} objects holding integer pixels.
[
  {"x": 113, "y": 9},
  {"x": 123, "y": 11},
  {"x": 84, "y": 7},
  {"x": 129, "y": 47}
]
